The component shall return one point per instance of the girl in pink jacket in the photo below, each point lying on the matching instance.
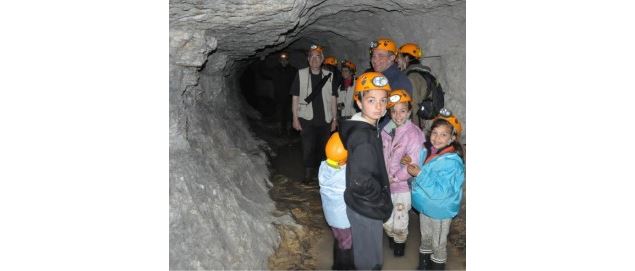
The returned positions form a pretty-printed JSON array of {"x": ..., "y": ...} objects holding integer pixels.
[{"x": 400, "y": 137}]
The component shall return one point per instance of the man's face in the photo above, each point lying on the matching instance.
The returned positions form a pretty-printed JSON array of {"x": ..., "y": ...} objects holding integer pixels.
[
  {"x": 284, "y": 61},
  {"x": 315, "y": 59},
  {"x": 381, "y": 59}
]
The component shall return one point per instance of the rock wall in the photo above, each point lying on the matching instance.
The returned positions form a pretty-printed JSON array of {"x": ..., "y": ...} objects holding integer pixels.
[
  {"x": 218, "y": 170},
  {"x": 220, "y": 212}
]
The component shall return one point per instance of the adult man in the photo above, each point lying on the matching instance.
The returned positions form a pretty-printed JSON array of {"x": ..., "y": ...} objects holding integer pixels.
[
  {"x": 282, "y": 76},
  {"x": 383, "y": 54},
  {"x": 314, "y": 110},
  {"x": 409, "y": 62}
]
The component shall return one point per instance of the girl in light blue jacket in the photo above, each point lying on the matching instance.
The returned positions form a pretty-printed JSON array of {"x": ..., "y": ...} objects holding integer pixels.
[{"x": 437, "y": 189}]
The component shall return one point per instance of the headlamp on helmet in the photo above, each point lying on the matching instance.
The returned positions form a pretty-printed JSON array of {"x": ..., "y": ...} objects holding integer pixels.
[
  {"x": 384, "y": 44},
  {"x": 315, "y": 47},
  {"x": 380, "y": 81},
  {"x": 445, "y": 112},
  {"x": 398, "y": 96},
  {"x": 447, "y": 115},
  {"x": 370, "y": 81}
]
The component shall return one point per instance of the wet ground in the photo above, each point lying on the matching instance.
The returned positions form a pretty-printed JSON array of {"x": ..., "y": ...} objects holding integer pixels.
[{"x": 308, "y": 243}]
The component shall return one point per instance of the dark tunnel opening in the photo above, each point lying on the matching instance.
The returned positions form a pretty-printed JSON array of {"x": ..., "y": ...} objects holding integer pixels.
[{"x": 257, "y": 91}]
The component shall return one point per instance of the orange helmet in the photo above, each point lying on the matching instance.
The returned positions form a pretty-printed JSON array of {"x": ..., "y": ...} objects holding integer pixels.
[
  {"x": 384, "y": 44},
  {"x": 411, "y": 49},
  {"x": 370, "y": 81},
  {"x": 350, "y": 65},
  {"x": 316, "y": 47},
  {"x": 397, "y": 96},
  {"x": 336, "y": 154},
  {"x": 447, "y": 115},
  {"x": 330, "y": 60}
]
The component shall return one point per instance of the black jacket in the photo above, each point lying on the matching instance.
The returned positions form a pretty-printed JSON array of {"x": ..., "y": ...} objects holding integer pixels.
[
  {"x": 367, "y": 186},
  {"x": 282, "y": 77}
]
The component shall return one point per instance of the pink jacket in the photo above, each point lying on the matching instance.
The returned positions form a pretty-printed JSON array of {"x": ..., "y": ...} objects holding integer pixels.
[{"x": 409, "y": 140}]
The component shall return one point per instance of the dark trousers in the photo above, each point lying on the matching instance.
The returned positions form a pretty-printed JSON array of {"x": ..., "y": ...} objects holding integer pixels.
[
  {"x": 314, "y": 139},
  {"x": 368, "y": 250}
]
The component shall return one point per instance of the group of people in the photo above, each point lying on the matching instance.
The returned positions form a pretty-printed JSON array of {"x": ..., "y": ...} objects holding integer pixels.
[{"x": 376, "y": 166}]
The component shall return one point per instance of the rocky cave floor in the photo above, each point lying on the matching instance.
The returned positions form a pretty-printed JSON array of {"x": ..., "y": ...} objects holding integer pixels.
[{"x": 309, "y": 243}]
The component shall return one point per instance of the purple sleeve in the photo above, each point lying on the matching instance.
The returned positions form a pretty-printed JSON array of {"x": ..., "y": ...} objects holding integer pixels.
[{"x": 413, "y": 148}]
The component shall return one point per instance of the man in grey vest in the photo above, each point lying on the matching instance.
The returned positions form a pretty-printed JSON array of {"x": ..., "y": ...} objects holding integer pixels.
[{"x": 314, "y": 109}]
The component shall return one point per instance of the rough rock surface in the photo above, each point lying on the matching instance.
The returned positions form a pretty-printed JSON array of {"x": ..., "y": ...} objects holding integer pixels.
[{"x": 221, "y": 216}]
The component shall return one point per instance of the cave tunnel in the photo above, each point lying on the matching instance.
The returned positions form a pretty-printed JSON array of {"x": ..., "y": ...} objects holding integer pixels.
[{"x": 228, "y": 205}]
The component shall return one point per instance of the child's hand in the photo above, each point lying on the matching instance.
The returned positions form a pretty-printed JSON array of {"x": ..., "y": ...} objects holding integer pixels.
[
  {"x": 405, "y": 160},
  {"x": 413, "y": 170}
]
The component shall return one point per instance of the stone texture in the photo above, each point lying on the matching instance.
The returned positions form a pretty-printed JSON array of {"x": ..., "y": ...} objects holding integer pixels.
[{"x": 220, "y": 212}]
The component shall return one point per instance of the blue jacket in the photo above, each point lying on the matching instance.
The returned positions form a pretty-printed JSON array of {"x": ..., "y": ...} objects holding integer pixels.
[
  {"x": 438, "y": 189},
  {"x": 332, "y": 186},
  {"x": 397, "y": 79}
]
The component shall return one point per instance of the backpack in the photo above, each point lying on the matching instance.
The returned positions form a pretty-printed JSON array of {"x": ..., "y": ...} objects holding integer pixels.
[{"x": 429, "y": 106}]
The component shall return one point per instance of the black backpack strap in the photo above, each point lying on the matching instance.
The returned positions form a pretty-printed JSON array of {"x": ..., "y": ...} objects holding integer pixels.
[{"x": 317, "y": 89}]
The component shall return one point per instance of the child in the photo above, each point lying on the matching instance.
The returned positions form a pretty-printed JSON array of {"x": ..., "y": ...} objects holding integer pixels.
[
  {"x": 438, "y": 188},
  {"x": 345, "y": 97},
  {"x": 367, "y": 194},
  {"x": 332, "y": 177},
  {"x": 404, "y": 139}
]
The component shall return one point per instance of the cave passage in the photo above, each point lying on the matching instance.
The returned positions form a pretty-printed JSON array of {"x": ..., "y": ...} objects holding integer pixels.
[{"x": 235, "y": 198}]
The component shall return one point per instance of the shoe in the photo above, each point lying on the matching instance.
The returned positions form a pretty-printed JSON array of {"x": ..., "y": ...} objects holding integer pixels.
[
  {"x": 424, "y": 261},
  {"x": 342, "y": 259},
  {"x": 436, "y": 266},
  {"x": 347, "y": 259},
  {"x": 399, "y": 249}
]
